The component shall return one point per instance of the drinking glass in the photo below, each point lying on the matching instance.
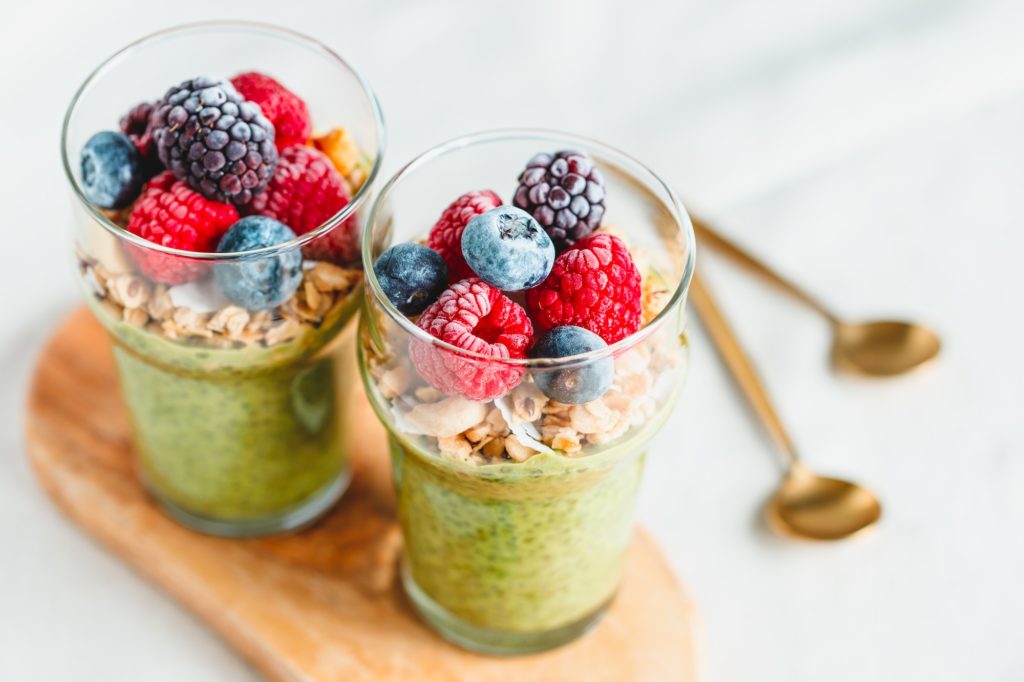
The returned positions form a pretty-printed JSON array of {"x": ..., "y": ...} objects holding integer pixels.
[
  {"x": 239, "y": 414},
  {"x": 517, "y": 510}
]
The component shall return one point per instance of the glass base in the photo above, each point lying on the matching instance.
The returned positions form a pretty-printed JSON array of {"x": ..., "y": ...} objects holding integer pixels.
[
  {"x": 294, "y": 518},
  {"x": 493, "y": 642}
]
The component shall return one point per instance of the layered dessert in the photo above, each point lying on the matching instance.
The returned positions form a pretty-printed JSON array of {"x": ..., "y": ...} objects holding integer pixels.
[
  {"x": 223, "y": 263},
  {"x": 522, "y": 355}
]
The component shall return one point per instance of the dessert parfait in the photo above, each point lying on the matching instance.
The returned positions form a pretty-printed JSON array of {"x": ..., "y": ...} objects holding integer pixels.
[
  {"x": 522, "y": 342},
  {"x": 218, "y": 242}
]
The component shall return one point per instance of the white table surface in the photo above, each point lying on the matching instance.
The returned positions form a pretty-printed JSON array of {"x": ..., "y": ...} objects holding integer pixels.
[{"x": 873, "y": 149}]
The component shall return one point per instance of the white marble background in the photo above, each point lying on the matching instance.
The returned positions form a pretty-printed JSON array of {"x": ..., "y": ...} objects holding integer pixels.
[{"x": 874, "y": 149}]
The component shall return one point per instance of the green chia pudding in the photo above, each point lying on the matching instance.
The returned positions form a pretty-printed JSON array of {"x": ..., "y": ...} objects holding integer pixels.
[
  {"x": 237, "y": 434},
  {"x": 518, "y": 547}
]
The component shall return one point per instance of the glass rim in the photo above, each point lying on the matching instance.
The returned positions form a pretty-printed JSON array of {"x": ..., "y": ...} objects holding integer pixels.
[
  {"x": 110, "y": 62},
  {"x": 675, "y": 206}
]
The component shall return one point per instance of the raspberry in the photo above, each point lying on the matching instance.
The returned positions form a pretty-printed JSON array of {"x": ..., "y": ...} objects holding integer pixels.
[
  {"x": 565, "y": 193},
  {"x": 594, "y": 284},
  {"x": 304, "y": 193},
  {"x": 476, "y": 317},
  {"x": 170, "y": 214},
  {"x": 218, "y": 142},
  {"x": 446, "y": 235},
  {"x": 280, "y": 105}
]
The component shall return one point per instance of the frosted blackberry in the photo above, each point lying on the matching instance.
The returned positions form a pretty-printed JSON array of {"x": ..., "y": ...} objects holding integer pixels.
[
  {"x": 219, "y": 143},
  {"x": 565, "y": 193}
]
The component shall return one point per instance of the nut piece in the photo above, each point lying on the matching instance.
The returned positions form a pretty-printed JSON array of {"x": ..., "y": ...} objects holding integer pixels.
[
  {"x": 330, "y": 277},
  {"x": 528, "y": 402},
  {"x": 494, "y": 449},
  {"x": 516, "y": 450},
  {"x": 394, "y": 382},
  {"x": 160, "y": 306},
  {"x": 592, "y": 417},
  {"x": 566, "y": 440},
  {"x": 313, "y": 296},
  {"x": 136, "y": 317},
  {"x": 448, "y": 417},
  {"x": 496, "y": 422},
  {"x": 230, "y": 320},
  {"x": 428, "y": 394},
  {"x": 285, "y": 330},
  {"x": 455, "y": 447},
  {"x": 477, "y": 434},
  {"x": 128, "y": 290},
  {"x": 633, "y": 361},
  {"x": 187, "y": 322}
]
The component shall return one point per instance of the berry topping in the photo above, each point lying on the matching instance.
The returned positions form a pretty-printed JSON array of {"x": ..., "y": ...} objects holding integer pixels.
[
  {"x": 285, "y": 110},
  {"x": 594, "y": 284},
  {"x": 478, "y": 318},
  {"x": 446, "y": 235},
  {"x": 575, "y": 385},
  {"x": 171, "y": 214},
  {"x": 259, "y": 282},
  {"x": 412, "y": 276},
  {"x": 565, "y": 193},
  {"x": 305, "y": 192},
  {"x": 112, "y": 173},
  {"x": 137, "y": 125},
  {"x": 506, "y": 248},
  {"x": 218, "y": 142}
]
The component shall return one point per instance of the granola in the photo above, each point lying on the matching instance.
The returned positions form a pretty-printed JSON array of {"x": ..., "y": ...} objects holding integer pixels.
[
  {"x": 133, "y": 300},
  {"x": 517, "y": 426}
]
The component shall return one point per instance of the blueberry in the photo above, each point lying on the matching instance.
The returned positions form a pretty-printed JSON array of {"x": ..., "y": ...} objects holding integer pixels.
[
  {"x": 508, "y": 249},
  {"x": 412, "y": 276},
  {"x": 574, "y": 385},
  {"x": 112, "y": 170},
  {"x": 258, "y": 282}
]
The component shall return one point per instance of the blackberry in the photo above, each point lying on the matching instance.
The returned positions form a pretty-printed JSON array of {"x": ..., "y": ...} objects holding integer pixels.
[
  {"x": 565, "y": 193},
  {"x": 219, "y": 143},
  {"x": 136, "y": 125}
]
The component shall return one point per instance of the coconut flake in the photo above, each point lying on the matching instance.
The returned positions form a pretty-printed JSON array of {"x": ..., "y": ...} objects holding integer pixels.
[
  {"x": 526, "y": 432},
  {"x": 202, "y": 296}
]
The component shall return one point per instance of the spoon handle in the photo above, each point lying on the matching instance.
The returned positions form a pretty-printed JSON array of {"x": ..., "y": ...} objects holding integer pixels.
[
  {"x": 734, "y": 251},
  {"x": 732, "y": 353}
]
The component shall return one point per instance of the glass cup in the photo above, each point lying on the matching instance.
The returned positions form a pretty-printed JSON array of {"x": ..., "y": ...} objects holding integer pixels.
[
  {"x": 238, "y": 410},
  {"x": 517, "y": 510}
]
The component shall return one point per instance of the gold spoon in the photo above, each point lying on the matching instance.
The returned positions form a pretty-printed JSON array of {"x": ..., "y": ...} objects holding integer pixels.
[
  {"x": 805, "y": 505},
  {"x": 879, "y": 348}
]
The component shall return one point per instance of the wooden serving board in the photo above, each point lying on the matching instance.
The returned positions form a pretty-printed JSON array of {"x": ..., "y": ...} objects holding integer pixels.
[{"x": 323, "y": 603}]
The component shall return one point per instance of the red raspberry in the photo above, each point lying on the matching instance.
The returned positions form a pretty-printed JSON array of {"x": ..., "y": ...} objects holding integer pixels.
[
  {"x": 446, "y": 235},
  {"x": 305, "y": 191},
  {"x": 281, "y": 106},
  {"x": 475, "y": 317},
  {"x": 172, "y": 214},
  {"x": 594, "y": 284}
]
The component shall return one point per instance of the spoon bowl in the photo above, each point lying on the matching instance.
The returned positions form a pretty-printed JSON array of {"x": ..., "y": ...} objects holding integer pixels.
[
  {"x": 819, "y": 508},
  {"x": 883, "y": 348}
]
